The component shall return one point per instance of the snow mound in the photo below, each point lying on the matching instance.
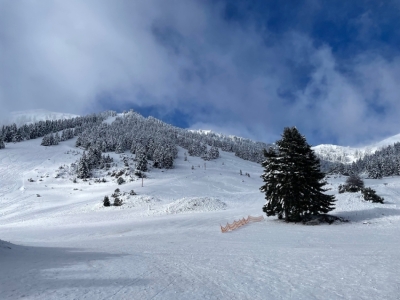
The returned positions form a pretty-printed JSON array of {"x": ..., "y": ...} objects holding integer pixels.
[
  {"x": 138, "y": 200},
  {"x": 192, "y": 204}
]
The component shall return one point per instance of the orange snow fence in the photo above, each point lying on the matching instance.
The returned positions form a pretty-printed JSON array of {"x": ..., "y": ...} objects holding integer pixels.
[{"x": 240, "y": 223}]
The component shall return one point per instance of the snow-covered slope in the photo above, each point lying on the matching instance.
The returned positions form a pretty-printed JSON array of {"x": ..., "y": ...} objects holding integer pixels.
[
  {"x": 165, "y": 242},
  {"x": 342, "y": 154},
  {"x": 36, "y": 115}
]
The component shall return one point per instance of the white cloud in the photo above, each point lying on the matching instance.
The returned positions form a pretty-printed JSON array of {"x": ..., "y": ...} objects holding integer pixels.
[{"x": 64, "y": 55}]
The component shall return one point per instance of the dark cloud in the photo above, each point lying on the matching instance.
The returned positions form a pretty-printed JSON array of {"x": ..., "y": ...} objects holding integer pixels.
[{"x": 215, "y": 66}]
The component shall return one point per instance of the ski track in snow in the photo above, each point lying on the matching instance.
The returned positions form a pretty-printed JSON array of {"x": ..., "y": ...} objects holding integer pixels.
[{"x": 165, "y": 243}]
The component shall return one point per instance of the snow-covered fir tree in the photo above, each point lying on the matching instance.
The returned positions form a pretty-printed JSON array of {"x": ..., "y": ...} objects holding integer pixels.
[
  {"x": 83, "y": 170},
  {"x": 48, "y": 140},
  {"x": 293, "y": 181},
  {"x": 212, "y": 153},
  {"x": 141, "y": 158}
]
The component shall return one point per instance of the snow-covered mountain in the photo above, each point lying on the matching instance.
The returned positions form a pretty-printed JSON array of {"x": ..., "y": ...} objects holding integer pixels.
[
  {"x": 36, "y": 115},
  {"x": 58, "y": 241},
  {"x": 334, "y": 153}
]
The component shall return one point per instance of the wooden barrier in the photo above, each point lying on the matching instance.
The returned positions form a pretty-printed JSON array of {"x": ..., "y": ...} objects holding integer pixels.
[{"x": 240, "y": 223}]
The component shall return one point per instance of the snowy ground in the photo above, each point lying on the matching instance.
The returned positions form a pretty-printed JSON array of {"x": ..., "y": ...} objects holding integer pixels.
[{"x": 166, "y": 243}]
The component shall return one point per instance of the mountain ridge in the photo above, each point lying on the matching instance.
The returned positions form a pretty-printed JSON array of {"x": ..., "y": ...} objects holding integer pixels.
[
  {"x": 327, "y": 152},
  {"x": 35, "y": 115},
  {"x": 348, "y": 155}
]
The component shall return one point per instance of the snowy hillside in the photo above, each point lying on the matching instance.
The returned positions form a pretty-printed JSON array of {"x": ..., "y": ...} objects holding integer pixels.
[
  {"x": 60, "y": 242},
  {"x": 36, "y": 115},
  {"x": 346, "y": 155}
]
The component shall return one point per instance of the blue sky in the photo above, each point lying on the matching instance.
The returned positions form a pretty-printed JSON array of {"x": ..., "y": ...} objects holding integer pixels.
[{"x": 247, "y": 68}]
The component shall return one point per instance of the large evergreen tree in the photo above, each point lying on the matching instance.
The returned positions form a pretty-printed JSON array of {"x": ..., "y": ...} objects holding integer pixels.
[{"x": 293, "y": 180}]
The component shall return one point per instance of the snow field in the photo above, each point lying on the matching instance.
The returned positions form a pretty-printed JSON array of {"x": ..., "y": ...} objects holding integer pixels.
[{"x": 66, "y": 245}]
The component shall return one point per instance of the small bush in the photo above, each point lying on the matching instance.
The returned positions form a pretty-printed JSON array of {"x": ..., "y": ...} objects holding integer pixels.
[
  {"x": 106, "y": 201},
  {"x": 354, "y": 187},
  {"x": 353, "y": 184},
  {"x": 132, "y": 193},
  {"x": 119, "y": 173},
  {"x": 370, "y": 195},
  {"x": 355, "y": 180},
  {"x": 120, "y": 180},
  {"x": 343, "y": 188},
  {"x": 117, "y": 190},
  {"x": 117, "y": 202},
  {"x": 140, "y": 174}
]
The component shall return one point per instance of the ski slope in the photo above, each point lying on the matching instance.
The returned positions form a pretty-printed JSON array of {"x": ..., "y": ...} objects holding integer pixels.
[{"x": 165, "y": 242}]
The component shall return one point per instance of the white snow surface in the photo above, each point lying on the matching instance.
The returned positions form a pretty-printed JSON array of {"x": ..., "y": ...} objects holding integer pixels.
[
  {"x": 165, "y": 242},
  {"x": 35, "y": 115},
  {"x": 343, "y": 154}
]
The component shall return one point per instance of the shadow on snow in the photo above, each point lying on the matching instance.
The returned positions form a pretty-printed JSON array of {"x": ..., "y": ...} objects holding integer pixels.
[
  {"x": 368, "y": 214},
  {"x": 31, "y": 271}
]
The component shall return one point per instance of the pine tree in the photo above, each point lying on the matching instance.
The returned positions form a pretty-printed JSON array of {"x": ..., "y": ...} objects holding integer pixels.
[
  {"x": 353, "y": 184},
  {"x": 213, "y": 152},
  {"x": 2, "y": 146},
  {"x": 46, "y": 141},
  {"x": 17, "y": 136},
  {"x": 51, "y": 139},
  {"x": 168, "y": 161},
  {"x": 293, "y": 180},
  {"x": 158, "y": 158},
  {"x": 141, "y": 160},
  {"x": 83, "y": 170},
  {"x": 120, "y": 147},
  {"x": 106, "y": 201},
  {"x": 56, "y": 139},
  {"x": 93, "y": 157}
]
